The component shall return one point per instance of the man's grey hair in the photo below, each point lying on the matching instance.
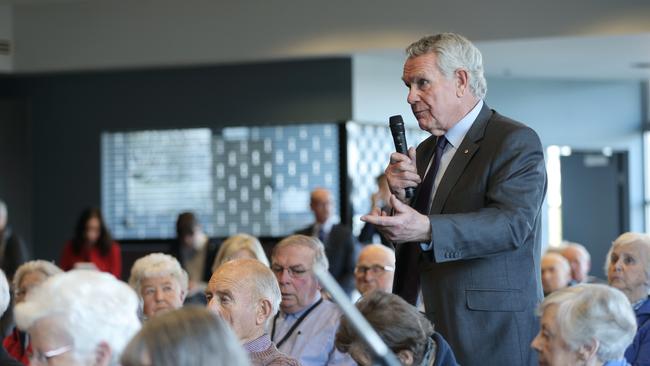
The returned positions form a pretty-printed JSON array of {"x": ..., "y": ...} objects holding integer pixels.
[
  {"x": 4, "y": 293},
  {"x": 88, "y": 307},
  {"x": 591, "y": 312},
  {"x": 577, "y": 246},
  {"x": 310, "y": 242},
  {"x": 157, "y": 265},
  {"x": 630, "y": 238},
  {"x": 259, "y": 279},
  {"x": 49, "y": 269},
  {"x": 454, "y": 52}
]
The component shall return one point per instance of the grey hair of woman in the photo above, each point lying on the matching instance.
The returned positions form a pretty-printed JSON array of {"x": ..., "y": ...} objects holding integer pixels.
[
  {"x": 236, "y": 243},
  {"x": 453, "y": 52},
  {"x": 630, "y": 238},
  {"x": 49, "y": 269},
  {"x": 157, "y": 265},
  {"x": 593, "y": 312},
  {"x": 397, "y": 322},
  {"x": 190, "y": 336}
]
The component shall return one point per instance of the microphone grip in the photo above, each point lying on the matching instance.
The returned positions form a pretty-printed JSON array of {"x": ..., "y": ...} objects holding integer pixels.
[{"x": 399, "y": 138}]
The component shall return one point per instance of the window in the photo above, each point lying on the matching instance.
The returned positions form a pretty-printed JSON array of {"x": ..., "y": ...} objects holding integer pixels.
[{"x": 247, "y": 179}]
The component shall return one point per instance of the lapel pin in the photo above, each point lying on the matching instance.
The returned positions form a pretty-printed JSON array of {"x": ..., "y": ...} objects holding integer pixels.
[{"x": 466, "y": 151}]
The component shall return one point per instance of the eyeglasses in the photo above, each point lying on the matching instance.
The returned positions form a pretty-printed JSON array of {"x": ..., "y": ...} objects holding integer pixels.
[
  {"x": 44, "y": 357},
  {"x": 375, "y": 269},
  {"x": 294, "y": 271}
]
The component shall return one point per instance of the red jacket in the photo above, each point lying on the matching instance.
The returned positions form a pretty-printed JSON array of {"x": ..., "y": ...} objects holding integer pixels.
[
  {"x": 13, "y": 343},
  {"x": 111, "y": 263}
]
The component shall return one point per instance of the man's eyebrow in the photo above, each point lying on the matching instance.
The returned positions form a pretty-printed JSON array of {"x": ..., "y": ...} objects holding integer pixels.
[{"x": 224, "y": 292}]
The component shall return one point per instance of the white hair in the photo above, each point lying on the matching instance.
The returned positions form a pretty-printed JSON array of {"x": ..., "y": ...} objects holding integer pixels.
[
  {"x": 4, "y": 293},
  {"x": 591, "y": 312},
  {"x": 157, "y": 265},
  {"x": 89, "y": 306},
  {"x": 49, "y": 269},
  {"x": 630, "y": 238},
  {"x": 454, "y": 52},
  {"x": 577, "y": 246},
  {"x": 310, "y": 242}
]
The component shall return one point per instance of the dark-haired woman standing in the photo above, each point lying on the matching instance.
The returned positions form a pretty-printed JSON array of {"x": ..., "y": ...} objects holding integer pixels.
[{"x": 92, "y": 246}]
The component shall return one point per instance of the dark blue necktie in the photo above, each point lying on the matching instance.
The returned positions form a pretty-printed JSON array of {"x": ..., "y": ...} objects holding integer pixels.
[{"x": 426, "y": 188}]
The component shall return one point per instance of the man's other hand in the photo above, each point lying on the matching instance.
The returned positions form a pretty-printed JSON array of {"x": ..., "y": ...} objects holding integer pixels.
[{"x": 405, "y": 225}]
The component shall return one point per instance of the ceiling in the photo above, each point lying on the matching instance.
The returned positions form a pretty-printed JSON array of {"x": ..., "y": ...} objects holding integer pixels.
[{"x": 581, "y": 39}]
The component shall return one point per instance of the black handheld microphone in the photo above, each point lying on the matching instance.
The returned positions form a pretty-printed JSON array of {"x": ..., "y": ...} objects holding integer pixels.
[{"x": 399, "y": 138}]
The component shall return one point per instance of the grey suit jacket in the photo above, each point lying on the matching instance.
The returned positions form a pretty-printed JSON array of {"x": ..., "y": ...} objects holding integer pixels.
[{"x": 481, "y": 282}]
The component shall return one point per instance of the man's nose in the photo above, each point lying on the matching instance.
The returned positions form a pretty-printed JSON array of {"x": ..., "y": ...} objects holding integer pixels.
[{"x": 413, "y": 95}]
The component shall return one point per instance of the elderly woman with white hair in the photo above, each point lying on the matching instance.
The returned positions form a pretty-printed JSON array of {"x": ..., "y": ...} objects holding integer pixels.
[
  {"x": 628, "y": 269},
  {"x": 27, "y": 276},
  {"x": 79, "y": 318},
  {"x": 161, "y": 283},
  {"x": 587, "y": 325}
]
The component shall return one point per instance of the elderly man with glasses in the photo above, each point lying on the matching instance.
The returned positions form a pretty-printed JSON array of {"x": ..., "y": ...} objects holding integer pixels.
[
  {"x": 375, "y": 269},
  {"x": 307, "y": 323}
]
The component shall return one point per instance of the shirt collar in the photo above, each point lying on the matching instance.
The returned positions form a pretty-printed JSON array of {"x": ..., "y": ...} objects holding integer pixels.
[
  {"x": 259, "y": 344},
  {"x": 456, "y": 134},
  {"x": 327, "y": 225}
]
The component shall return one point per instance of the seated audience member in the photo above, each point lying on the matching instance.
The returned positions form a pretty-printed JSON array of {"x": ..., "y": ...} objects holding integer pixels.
[
  {"x": 580, "y": 262},
  {"x": 92, "y": 246},
  {"x": 584, "y": 325},
  {"x": 160, "y": 282},
  {"x": 79, "y": 318},
  {"x": 28, "y": 276},
  {"x": 375, "y": 269},
  {"x": 406, "y": 331},
  {"x": 556, "y": 272},
  {"x": 190, "y": 336},
  {"x": 379, "y": 200},
  {"x": 5, "y": 298},
  {"x": 245, "y": 293},
  {"x": 340, "y": 244},
  {"x": 195, "y": 252},
  {"x": 628, "y": 266},
  {"x": 240, "y": 246},
  {"x": 13, "y": 251},
  {"x": 307, "y": 323}
]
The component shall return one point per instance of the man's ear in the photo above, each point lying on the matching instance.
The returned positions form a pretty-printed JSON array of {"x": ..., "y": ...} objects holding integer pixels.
[
  {"x": 103, "y": 354},
  {"x": 263, "y": 312},
  {"x": 462, "y": 82}
]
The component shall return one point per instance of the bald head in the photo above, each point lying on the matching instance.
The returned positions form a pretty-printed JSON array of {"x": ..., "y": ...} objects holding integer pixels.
[
  {"x": 579, "y": 260},
  {"x": 375, "y": 269},
  {"x": 321, "y": 204},
  {"x": 245, "y": 293},
  {"x": 556, "y": 272}
]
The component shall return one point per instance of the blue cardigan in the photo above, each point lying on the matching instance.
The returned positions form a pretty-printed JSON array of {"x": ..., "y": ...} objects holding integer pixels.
[{"x": 638, "y": 353}]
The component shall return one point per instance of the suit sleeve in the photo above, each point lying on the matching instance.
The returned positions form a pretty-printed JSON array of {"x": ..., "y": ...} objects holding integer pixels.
[{"x": 514, "y": 190}]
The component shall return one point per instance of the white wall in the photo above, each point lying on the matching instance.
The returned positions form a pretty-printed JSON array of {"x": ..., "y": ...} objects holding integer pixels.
[
  {"x": 75, "y": 34},
  {"x": 6, "y": 32}
]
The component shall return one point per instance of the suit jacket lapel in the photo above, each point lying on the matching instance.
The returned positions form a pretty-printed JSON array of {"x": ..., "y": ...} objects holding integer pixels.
[{"x": 461, "y": 158}]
